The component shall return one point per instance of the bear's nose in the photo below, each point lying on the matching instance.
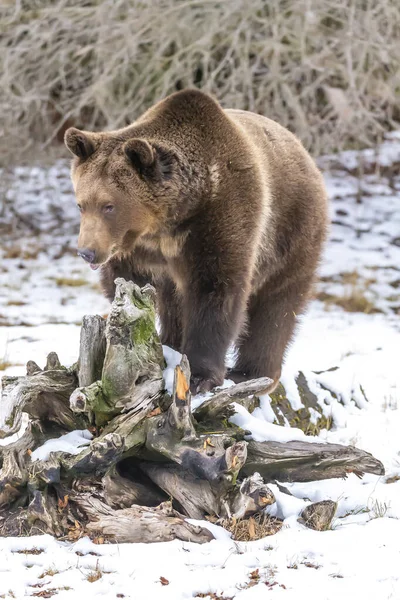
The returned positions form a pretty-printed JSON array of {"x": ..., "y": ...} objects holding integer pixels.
[{"x": 86, "y": 254}]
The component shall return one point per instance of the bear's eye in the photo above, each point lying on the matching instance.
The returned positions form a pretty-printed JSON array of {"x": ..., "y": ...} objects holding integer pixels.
[
  {"x": 108, "y": 208},
  {"x": 79, "y": 207}
]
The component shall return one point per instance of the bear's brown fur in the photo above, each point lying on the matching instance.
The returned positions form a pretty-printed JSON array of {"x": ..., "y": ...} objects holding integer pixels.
[{"x": 222, "y": 210}]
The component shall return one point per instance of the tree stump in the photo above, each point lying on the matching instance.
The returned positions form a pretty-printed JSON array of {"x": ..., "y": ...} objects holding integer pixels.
[{"x": 102, "y": 448}]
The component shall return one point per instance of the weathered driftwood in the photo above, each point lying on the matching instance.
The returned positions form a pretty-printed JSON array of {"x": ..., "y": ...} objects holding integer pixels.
[
  {"x": 123, "y": 492},
  {"x": 319, "y": 515},
  {"x": 304, "y": 461},
  {"x": 147, "y": 446},
  {"x": 92, "y": 350},
  {"x": 131, "y": 376},
  {"x": 43, "y": 395},
  {"x": 142, "y": 524},
  {"x": 220, "y": 405}
]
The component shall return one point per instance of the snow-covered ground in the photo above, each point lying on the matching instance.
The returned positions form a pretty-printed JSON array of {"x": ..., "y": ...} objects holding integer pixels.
[{"x": 44, "y": 292}]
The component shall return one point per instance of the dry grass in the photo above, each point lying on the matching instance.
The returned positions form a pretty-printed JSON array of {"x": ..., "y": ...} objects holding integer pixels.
[
  {"x": 4, "y": 364},
  {"x": 352, "y": 301},
  {"x": 48, "y": 573},
  {"x": 255, "y": 528},
  {"x": 34, "y": 551},
  {"x": 355, "y": 296},
  {"x": 95, "y": 574},
  {"x": 327, "y": 69},
  {"x": 378, "y": 509},
  {"x": 70, "y": 282},
  {"x": 213, "y": 596},
  {"x": 16, "y": 303},
  {"x": 50, "y": 592},
  {"x": 16, "y": 251}
]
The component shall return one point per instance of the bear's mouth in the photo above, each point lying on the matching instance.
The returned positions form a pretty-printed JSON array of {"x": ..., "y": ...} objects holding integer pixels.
[{"x": 94, "y": 267}]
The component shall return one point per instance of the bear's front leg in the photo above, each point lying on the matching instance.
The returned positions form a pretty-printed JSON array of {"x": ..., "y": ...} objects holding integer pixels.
[
  {"x": 169, "y": 310},
  {"x": 215, "y": 269},
  {"x": 211, "y": 323},
  {"x": 121, "y": 267}
]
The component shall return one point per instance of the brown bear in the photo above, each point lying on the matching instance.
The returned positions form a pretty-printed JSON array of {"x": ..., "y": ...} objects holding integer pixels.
[{"x": 223, "y": 211}]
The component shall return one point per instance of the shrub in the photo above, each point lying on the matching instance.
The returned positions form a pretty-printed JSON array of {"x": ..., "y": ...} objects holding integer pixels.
[{"x": 327, "y": 69}]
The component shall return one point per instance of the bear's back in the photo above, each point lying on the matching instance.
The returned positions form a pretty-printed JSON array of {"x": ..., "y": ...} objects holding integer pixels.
[
  {"x": 298, "y": 204},
  {"x": 284, "y": 155}
]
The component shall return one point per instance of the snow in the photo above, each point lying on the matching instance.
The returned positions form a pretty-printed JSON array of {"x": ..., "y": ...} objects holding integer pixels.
[
  {"x": 359, "y": 556},
  {"x": 71, "y": 443},
  {"x": 262, "y": 431},
  {"x": 172, "y": 358}
]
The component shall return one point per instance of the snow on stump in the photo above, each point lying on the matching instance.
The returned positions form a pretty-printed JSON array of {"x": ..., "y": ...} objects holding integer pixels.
[{"x": 102, "y": 448}]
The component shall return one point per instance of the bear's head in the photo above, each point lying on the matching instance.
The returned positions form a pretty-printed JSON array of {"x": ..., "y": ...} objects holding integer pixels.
[{"x": 125, "y": 189}]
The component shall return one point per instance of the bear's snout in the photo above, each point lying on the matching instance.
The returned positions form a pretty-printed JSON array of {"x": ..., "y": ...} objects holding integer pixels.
[{"x": 87, "y": 254}]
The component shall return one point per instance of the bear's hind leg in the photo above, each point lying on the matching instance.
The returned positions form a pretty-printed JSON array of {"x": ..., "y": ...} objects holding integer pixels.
[{"x": 270, "y": 326}]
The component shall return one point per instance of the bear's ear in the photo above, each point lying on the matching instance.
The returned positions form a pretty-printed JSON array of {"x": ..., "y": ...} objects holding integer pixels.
[
  {"x": 140, "y": 154},
  {"x": 80, "y": 143},
  {"x": 148, "y": 160}
]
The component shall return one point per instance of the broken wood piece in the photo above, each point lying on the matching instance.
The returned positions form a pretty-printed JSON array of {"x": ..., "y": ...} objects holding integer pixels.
[
  {"x": 319, "y": 515},
  {"x": 305, "y": 461},
  {"x": 92, "y": 350},
  {"x": 195, "y": 497},
  {"x": 219, "y": 406},
  {"x": 179, "y": 413},
  {"x": 123, "y": 492},
  {"x": 43, "y": 395},
  {"x": 131, "y": 368},
  {"x": 141, "y": 524},
  {"x": 252, "y": 497}
]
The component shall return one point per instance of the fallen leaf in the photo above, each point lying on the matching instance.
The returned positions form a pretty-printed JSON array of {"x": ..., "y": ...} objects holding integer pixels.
[
  {"x": 208, "y": 442},
  {"x": 164, "y": 581},
  {"x": 155, "y": 412},
  {"x": 63, "y": 502},
  {"x": 255, "y": 574},
  {"x": 272, "y": 584},
  {"x": 98, "y": 540},
  {"x": 74, "y": 534},
  {"x": 211, "y": 518}
]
